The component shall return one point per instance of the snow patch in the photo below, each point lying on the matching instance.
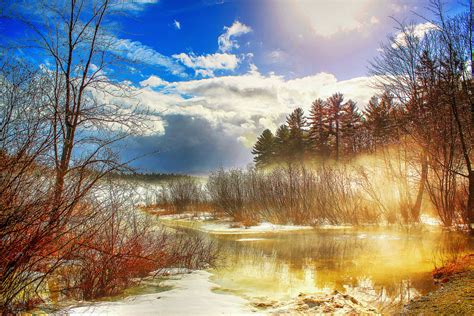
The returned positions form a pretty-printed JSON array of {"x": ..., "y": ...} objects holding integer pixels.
[
  {"x": 265, "y": 227},
  {"x": 191, "y": 295},
  {"x": 251, "y": 239},
  {"x": 204, "y": 216}
]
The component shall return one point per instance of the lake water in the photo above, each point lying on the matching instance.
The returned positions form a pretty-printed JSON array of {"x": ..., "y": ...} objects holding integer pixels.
[{"x": 379, "y": 266}]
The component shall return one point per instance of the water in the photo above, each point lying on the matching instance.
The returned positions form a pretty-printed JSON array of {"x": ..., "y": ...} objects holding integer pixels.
[{"x": 383, "y": 268}]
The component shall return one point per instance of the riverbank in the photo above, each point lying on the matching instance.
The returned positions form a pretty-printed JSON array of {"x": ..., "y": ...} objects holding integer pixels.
[
  {"x": 455, "y": 295},
  {"x": 211, "y": 223},
  {"x": 208, "y": 224}
]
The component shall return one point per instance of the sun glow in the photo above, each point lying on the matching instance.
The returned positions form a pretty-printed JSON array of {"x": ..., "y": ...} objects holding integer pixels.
[{"x": 327, "y": 18}]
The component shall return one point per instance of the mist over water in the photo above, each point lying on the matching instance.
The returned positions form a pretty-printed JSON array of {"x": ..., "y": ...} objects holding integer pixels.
[{"x": 377, "y": 266}]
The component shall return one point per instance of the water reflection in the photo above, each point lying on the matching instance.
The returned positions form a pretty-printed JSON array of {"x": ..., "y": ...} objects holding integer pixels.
[{"x": 376, "y": 266}]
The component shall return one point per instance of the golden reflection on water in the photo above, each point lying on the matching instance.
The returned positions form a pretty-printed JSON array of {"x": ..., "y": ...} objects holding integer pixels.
[{"x": 381, "y": 267}]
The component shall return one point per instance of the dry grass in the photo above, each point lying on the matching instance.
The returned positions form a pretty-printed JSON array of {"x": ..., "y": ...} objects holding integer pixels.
[{"x": 458, "y": 265}]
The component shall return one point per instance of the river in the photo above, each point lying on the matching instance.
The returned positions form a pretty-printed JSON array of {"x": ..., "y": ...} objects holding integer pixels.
[
  {"x": 379, "y": 269},
  {"x": 379, "y": 266}
]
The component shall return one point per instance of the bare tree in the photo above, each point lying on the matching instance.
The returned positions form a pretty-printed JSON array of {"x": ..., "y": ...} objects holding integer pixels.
[
  {"x": 57, "y": 125},
  {"x": 430, "y": 79}
]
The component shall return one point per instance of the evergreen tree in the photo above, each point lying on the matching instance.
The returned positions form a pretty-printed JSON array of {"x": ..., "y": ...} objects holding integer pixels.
[
  {"x": 351, "y": 123},
  {"x": 282, "y": 140},
  {"x": 264, "y": 149},
  {"x": 379, "y": 120},
  {"x": 333, "y": 122},
  {"x": 318, "y": 133},
  {"x": 296, "y": 124}
]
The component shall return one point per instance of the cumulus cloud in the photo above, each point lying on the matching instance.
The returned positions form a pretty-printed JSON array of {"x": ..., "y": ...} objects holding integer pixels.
[
  {"x": 418, "y": 31},
  {"x": 120, "y": 105},
  {"x": 153, "y": 81},
  {"x": 249, "y": 103},
  {"x": 205, "y": 65},
  {"x": 236, "y": 108},
  {"x": 177, "y": 24},
  {"x": 227, "y": 40}
]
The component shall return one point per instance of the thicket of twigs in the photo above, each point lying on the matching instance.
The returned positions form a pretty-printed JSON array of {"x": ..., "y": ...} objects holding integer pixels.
[{"x": 389, "y": 187}]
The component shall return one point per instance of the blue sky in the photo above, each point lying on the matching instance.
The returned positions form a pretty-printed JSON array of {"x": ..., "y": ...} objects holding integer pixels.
[{"x": 215, "y": 73}]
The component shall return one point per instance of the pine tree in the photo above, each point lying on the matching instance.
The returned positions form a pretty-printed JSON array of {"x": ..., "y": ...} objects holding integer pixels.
[
  {"x": 264, "y": 149},
  {"x": 296, "y": 124},
  {"x": 282, "y": 140},
  {"x": 318, "y": 133},
  {"x": 379, "y": 120},
  {"x": 333, "y": 122},
  {"x": 351, "y": 123}
]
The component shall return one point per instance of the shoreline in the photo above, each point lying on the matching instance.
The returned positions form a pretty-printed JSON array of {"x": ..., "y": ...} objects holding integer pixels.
[
  {"x": 210, "y": 224},
  {"x": 455, "y": 292}
]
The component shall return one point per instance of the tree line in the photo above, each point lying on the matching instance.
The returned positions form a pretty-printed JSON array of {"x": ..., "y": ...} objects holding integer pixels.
[{"x": 334, "y": 129}]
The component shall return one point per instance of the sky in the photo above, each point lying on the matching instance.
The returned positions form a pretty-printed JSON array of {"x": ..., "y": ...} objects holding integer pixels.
[{"x": 216, "y": 73}]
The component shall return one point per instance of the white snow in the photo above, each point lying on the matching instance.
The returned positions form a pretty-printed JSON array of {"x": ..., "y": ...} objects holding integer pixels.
[
  {"x": 191, "y": 295},
  {"x": 224, "y": 228},
  {"x": 204, "y": 224},
  {"x": 202, "y": 216},
  {"x": 251, "y": 239}
]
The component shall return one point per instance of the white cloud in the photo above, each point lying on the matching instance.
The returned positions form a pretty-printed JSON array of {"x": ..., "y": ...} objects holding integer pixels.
[
  {"x": 133, "y": 5},
  {"x": 226, "y": 40},
  {"x": 153, "y": 81},
  {"x": 177, "y": 24},
  {"x": 253, "y": 69},
  {"x": 203, "y": 73},
  {"x": 121, "y": 104},
  {"x": 418, "y": 31},
  {"x": 242, "y": 106},
  {"x": 205, "y": 65},
  {"x": 138, "y": 52}
]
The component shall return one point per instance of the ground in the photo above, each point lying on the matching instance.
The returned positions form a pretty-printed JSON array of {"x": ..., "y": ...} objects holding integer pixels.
[{"x": 455, "y": 295}]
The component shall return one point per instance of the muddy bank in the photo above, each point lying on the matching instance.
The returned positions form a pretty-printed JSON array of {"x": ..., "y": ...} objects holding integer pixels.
[{"x": 455, "y": 295}]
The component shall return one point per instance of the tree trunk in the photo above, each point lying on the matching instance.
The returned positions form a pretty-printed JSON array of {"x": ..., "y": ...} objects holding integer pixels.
[
  {"x": 415, "y": 211},
  {"x": 470, "y": 202}
]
